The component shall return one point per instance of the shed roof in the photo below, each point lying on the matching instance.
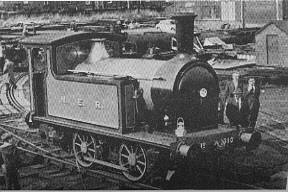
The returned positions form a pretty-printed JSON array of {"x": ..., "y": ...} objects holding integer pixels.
[{"x": 282, "y": 25}]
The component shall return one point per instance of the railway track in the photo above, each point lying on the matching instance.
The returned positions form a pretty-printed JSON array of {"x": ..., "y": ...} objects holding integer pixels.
[
  {"x": 67, "y": 168},
  {"x": 54, "y": 154},
  {"x": 10, "y": 94},
  {"x": 119, "y": 181},
  {"x": 52, "y": 175},
  {"x": 229, "y": 179}
]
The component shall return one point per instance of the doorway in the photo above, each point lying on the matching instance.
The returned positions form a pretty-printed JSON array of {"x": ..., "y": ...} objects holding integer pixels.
[{"x": 272, "y": 49}]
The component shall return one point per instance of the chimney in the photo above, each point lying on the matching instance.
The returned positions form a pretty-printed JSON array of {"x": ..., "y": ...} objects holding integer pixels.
[{"x": 184, "y": 31}]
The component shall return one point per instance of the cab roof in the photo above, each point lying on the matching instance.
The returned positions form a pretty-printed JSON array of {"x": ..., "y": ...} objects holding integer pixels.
[{"x": 60, "y": 37}]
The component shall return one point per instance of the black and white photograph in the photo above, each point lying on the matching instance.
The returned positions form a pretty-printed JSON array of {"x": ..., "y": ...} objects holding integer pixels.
[{"x": 144, "y": 95}]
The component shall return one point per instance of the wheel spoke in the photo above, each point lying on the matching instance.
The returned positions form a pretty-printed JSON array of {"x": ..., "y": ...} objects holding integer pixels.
[
  {"x": 139, "y": 169},
  {"x": 92, "y": 150},
  {"x": 89, "y": 154},
  {"x": 141, "y": 163},
  {"x": 127, "y": 149},
  {"x": 85, "y": 138},
  {"x": 88, "y": 138},
  {"x": 77, "y": 144},
  {"x": 138, "y": 156},
  {"x": 78, "y": 136},
  {"x": 126, "y": 156},
  {"x": 89, "y": 143}
]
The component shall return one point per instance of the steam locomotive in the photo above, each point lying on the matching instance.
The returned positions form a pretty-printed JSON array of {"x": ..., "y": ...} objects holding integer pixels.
[{"x": 128, "y": 114}]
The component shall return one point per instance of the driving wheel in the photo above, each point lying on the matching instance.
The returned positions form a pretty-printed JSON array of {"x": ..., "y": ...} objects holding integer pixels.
[
  {"x": 133, "y": 158},
  {"x": 84, "y": 147}
]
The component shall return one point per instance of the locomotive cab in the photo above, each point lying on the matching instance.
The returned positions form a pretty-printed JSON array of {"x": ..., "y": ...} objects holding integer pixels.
[{"x": 54, "y": 74}]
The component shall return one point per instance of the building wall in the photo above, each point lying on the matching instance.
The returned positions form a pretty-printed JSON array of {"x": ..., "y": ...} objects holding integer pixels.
[
  {"x": 281, "y": 6},
  {"x": 228, "y": 11},
  {"x": 260, "y": 11},
  {"x": 261, "y": 45},
  {"x": 256, "y": 12},
  {"x": 205, "y": 10}
]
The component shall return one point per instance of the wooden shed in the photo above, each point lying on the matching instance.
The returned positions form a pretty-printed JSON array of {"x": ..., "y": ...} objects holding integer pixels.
[{"x": 272, "y": 44}]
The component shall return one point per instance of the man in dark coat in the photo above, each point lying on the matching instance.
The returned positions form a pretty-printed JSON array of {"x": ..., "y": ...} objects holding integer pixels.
[
  {"x": 251, "y": 102},
  {"x": 10, "y": 162},
  {"x": 234, "y": 110},
  {"x": 231, "y": 87},
  {"x": 233, "y": 100}
]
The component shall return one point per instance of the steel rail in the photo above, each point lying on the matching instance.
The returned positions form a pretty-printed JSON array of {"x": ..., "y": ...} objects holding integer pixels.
[
  {"x": 10, "y": 94},
  {"x": 116, "y": 177},
  {"x": 4, "y": 128}
]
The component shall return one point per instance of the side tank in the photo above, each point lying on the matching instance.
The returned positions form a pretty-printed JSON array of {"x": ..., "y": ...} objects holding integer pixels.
[{"x": 180, "y": 87}]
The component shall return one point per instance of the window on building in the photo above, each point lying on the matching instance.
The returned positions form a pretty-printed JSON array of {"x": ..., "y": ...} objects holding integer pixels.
[{"x": 211, "y": 12}]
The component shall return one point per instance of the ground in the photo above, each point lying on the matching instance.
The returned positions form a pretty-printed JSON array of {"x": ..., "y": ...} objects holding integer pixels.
[{"x": 272, "y": 122}]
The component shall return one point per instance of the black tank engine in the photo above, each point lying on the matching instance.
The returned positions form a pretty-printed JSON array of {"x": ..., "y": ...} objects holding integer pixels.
[{"x": 126, "y": 113}]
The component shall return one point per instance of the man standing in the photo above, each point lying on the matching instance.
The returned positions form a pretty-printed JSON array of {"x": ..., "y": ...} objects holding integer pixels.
[
  {"x": 251, "y": 102},
  {"x": 10, "y": 162},
  {"x": 233, "y": 100},
  {"x": 234, "y": 110},
  {"x": 8, "y": 72}
]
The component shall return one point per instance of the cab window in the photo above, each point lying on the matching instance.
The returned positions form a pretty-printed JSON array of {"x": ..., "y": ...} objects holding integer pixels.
[{"x": 83, "y": 52}]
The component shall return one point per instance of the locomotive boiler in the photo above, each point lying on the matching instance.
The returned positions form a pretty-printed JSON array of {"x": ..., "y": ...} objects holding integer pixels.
[{"x": 126, "y": 113}]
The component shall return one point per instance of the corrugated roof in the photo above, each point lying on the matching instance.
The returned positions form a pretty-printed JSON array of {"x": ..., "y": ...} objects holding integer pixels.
[{"x": 282, "y": 25}]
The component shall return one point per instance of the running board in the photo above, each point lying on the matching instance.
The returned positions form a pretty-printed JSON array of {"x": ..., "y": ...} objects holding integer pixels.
[{"x": 106, "y": 164}]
